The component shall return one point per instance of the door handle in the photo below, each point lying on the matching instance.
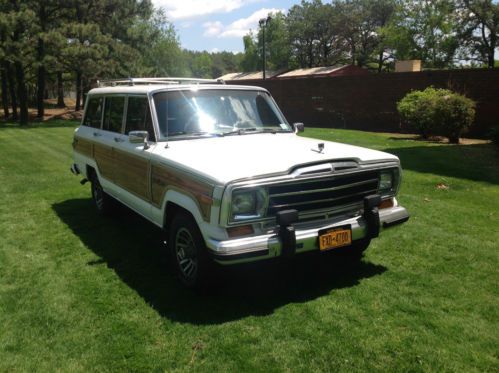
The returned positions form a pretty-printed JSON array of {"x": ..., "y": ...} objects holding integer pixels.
[
  {"x": 97, "y": 134},
  {"x": 117, "y": 139}
]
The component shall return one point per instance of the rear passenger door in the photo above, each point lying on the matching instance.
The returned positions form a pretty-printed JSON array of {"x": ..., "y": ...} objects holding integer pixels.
[
  {"x": 132, "y": 171},
  {"x": 107, "y": 138}
]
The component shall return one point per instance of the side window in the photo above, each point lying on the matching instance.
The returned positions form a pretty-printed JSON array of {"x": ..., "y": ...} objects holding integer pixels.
[
  {"x": 113, "y": 114},
  {"x": 138, "y": 116},
  {"x": 93, "y": 115}
]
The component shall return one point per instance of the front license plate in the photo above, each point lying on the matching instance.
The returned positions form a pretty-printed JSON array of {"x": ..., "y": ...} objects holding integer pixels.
[{"x": 336, "y": 238}]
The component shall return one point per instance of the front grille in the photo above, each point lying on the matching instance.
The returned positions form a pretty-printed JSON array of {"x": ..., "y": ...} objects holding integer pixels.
[{"x": 330, "y": 193}]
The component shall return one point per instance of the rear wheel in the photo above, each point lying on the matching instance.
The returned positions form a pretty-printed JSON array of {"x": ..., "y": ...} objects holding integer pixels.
[
  {"x": 188, "y": 251},
  {"x": 103, "y": 202}
]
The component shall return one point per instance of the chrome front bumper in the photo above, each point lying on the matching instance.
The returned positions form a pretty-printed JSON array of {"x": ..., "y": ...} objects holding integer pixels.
[{"x": 267, "y": 246}]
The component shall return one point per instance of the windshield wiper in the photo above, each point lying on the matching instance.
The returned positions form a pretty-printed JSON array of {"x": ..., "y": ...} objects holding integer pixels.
[
  {"x": 200, "y": 133},
  {"x": 242, "y": 131}
]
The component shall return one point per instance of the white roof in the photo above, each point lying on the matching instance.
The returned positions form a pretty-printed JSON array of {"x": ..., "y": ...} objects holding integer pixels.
[{"x": 148, "y": 88}]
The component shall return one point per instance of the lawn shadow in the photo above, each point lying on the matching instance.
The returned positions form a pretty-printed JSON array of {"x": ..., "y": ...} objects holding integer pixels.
[
  {"x": 479, "y": 162},
  {"x": 131, "y": 246}
]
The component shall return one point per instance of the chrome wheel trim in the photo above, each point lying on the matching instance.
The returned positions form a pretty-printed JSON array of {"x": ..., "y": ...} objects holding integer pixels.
[{"x": 185, "y": 253}]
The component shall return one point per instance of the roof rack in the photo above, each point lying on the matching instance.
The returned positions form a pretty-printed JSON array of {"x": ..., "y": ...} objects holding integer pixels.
[{"x": 146, "y": 81}]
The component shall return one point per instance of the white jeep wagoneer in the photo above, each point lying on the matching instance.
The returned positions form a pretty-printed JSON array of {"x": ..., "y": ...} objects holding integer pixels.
[{"x": 219, "y": 168}]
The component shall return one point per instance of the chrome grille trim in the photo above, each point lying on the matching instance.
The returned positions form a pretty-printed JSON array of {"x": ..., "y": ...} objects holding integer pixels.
[
  {"x": 330, "y": 192},
  {"x": 322, "y": 190},
  {"x": 289, "y": 205}
]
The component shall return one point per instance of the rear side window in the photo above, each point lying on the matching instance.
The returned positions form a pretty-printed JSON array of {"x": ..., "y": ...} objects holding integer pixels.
[
  {"x": 93, "y": 115},
  {"x": 138, "y": 116},
  {"x": 113, "y": 114}
]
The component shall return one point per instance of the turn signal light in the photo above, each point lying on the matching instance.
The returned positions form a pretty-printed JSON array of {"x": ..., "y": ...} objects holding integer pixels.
[
  {"x": 387, "y": 203},
  {"x": 240, "y": 231}
]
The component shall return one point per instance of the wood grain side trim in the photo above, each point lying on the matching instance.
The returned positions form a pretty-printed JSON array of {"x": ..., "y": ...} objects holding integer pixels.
[
  {"x": 104, "y": 157},
  {"x": 164, "y": 178},
  {"x": 84, "y": 147},
  {"x": 132, "y": 173},
  {"x": 147, "y": 181}
]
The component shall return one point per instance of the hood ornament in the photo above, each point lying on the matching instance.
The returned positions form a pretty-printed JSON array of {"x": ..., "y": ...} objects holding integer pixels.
[{"x": 320, "y": 148}]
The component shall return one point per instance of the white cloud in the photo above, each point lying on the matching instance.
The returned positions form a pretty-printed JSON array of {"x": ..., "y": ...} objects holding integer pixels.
[
  {"x": 212, "y": 28},
  {"x": 238, "y": 28},
  {"x": 188, "y": 9}
]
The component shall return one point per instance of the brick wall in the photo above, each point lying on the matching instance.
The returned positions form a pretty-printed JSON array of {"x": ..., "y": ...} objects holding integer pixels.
[{"x": 368, "y": 102}]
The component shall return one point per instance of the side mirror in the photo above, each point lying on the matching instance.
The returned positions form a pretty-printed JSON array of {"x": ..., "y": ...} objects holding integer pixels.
[
  {"x": 139, "y": 137},
  {"x": 299, "y": 127}
]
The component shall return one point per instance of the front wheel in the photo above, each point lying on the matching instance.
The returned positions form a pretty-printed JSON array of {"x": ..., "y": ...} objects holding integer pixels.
[{"x": 188, "y": 251}]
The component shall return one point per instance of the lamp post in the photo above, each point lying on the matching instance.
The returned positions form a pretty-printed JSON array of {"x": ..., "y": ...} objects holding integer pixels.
[{"x": 263, "y": 24}]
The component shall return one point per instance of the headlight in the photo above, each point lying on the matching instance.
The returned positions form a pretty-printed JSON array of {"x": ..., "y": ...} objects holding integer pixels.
[
  {"x": 385, "y": 180},
  {"x": 248, "y": 204},
  {"x": 388, "y": 180}
]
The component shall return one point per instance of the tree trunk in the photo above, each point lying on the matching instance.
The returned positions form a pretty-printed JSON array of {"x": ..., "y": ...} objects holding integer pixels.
[
  {"x": 40, "y": 92},
  {"x": 78, "y": 91},
  {"x": 41, "y": 69},
  {"x": 22, "y": 93},
  {"x": 492, "y": 49},
  {"x": 5, "y": 95},
  {"x": 380, "y": 61},
  {"x": 60, "y": 91},
  {"x": 86, "y": 86},
  {"x": 12, "y": 90}
]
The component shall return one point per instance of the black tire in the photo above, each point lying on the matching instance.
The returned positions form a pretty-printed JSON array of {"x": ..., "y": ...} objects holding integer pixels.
[
  {"x": 188, "y": 252},
  {"x": 104, "y": 203}
]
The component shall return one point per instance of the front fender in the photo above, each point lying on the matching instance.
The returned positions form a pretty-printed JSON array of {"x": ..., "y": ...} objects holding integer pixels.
[{"x": 186, "y": 202}]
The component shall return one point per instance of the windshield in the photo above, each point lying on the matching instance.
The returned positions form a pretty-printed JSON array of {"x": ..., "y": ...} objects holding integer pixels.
[{"x": 216, "y": 112}]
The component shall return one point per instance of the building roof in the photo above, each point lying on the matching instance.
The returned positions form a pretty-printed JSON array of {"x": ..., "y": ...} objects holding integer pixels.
[
  {"x": 298, "y": 73},
  {"x": 254, "y": 75},
  {"x": 323, "y": 71}
]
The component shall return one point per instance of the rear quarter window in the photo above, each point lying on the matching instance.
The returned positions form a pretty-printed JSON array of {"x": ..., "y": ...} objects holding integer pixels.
[
  {"x": 113, "y": 113},
  {"x": 93, "y": 114}
]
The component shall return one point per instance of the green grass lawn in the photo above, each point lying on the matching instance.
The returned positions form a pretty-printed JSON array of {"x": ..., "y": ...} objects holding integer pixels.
[{"x": 79, "y": 292}]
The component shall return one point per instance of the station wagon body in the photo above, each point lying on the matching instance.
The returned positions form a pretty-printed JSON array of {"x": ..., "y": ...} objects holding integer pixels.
[{"x": 219, "y": 168}]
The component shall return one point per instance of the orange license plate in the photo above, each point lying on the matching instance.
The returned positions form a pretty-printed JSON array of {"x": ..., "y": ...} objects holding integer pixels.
[{"x": 333, "y": 239}]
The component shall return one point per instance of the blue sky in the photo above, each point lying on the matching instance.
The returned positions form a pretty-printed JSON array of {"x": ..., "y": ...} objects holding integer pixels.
[{"x": 218, "y": 25}]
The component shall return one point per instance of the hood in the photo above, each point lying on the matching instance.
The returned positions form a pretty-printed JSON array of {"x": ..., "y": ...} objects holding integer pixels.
[{"x": 230, "y": 158}]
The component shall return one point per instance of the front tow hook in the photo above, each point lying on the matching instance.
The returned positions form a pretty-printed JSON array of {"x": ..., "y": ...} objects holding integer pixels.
[
  {"x": 371, "y": 214},
  {"x": 287, "y": 233}
]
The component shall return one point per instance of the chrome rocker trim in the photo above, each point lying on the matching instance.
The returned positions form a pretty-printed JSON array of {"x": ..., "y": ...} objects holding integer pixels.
[{"x": 267, "y": 246}]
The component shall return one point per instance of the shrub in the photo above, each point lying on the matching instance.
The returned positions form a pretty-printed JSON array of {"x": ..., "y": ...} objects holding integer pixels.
[
  {"x": 437, "y": 111},
  {"x": 414, "y": 109}
]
